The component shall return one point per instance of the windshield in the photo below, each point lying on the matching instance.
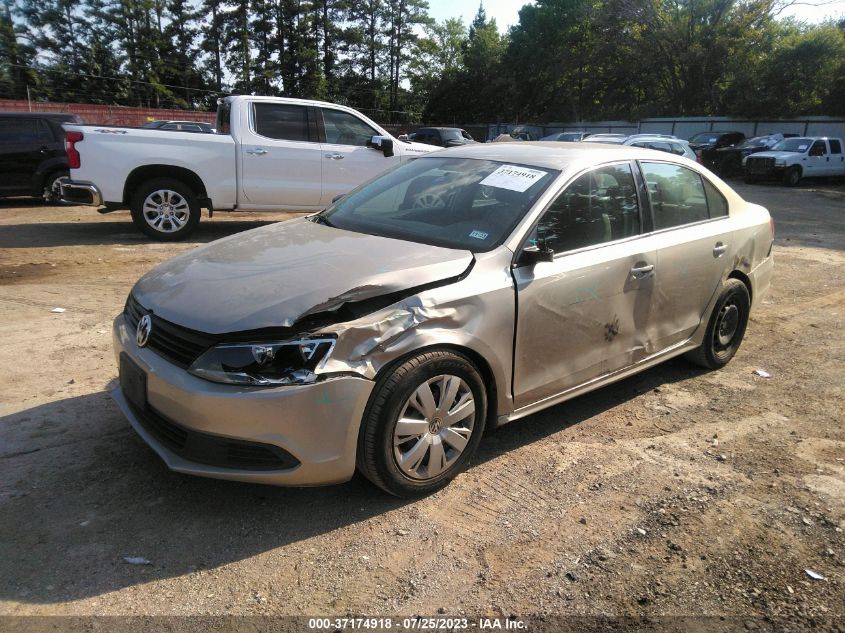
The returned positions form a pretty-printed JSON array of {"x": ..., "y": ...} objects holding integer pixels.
[
  {"x": 451, "y": 135},
  {"x": 704, "y": 137},
  {"x": 793, "y": 145},
  {"x": 450, "y": 202}
]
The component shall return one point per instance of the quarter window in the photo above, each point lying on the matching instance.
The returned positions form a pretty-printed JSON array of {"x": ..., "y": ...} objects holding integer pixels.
[
  {"x": 281, "y": 121},
  {"x": 344, "y": 129},
  {"x": 599, "y": 206},
  {"x": 716, "y": 203},
  {"x": 676, "y": 195}
]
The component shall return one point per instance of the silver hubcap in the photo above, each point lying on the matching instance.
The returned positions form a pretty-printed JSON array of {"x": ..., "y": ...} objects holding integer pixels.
[
  {"x": 434, "y": 427},
  {"x": 166, "y": 211}
]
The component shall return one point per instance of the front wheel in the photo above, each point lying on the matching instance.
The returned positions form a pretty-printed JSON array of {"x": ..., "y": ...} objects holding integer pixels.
[
  {"x": 165, "y": 209},
  {"x": 423, "y": 424},
  {"x": 792, "y": 176},
  {"x": 726, "y": 327}
]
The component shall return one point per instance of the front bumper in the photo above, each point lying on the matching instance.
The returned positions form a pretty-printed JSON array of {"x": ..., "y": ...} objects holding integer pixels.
[
  {"x": 316, "y": 424},
  {"x": 80, "y": 192}
]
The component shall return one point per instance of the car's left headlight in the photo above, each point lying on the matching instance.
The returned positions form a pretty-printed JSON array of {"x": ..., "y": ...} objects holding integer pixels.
[{"x": 264, "y": 364}]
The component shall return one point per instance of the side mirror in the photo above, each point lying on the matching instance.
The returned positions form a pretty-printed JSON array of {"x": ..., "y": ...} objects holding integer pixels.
[
  {"x": 403, "y": 137},
  {"x": 383, "y": 143},
  {"x": 338, "y": 197},
  {"x": 535, "y": 254}
]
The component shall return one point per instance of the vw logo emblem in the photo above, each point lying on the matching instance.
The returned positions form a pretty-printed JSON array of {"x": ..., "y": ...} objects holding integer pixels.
[{"x": 142, "y": 334}]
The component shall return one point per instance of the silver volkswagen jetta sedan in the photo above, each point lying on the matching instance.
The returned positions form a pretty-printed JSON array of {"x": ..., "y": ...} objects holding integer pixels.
[{"x": 460, "y": 291}]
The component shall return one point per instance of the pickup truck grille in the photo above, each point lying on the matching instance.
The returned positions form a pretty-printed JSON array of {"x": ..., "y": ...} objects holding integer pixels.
[
  {"x": 759, "y": 164},
  {"x": 175, "y": 343}
]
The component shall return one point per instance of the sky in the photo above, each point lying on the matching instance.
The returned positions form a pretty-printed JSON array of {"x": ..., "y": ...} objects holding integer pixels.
[{"x": 506, "y": 12}]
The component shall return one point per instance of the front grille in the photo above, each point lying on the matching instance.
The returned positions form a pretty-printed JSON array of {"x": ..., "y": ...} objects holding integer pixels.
[
  {"x": 213, "y": 450},
  {"x": 759, "y": 164},
  {"x": 177, "y": 344}
]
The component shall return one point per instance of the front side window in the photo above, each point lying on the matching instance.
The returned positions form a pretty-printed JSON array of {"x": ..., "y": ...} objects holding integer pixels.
[
  {"x": 818, "y": 149},
  {"x": 451, "y": 202},
  {"x": 281, "y": 121},
  {"x": 599, "y": 206},
  {"x": 344, "y": 129},
  {"x": 676, "y": 195}
]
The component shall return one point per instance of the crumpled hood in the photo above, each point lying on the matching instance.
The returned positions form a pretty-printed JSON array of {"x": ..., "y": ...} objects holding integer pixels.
[{"x": 275, "y": 275}]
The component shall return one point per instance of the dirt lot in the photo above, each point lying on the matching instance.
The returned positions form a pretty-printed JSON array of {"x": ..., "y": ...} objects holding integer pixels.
[{"x": 675, "y": 493}]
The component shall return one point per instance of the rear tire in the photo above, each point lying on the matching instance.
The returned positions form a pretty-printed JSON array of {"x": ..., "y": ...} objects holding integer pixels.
[
  {"x": 749, "y": 179},
  {"x": 423, "y": 424},
  {"x": 165, "y": 209},
  {"x": 51, "y": 193},
  {"x": 726, "y": 327},
  {"x": 792, "y": 176}
]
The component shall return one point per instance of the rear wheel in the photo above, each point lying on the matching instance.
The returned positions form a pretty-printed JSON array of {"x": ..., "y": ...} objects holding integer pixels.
[
  {"x": 165, "y": 209},
  {"x": 792, "y": 176},
  {"x": 423, "y": 424},
  {"x": 51, "y": 192},
  {"x": 726, "y": 327}
]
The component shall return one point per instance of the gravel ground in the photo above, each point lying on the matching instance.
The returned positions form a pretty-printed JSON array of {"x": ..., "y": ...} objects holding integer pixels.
[{"x": 678, "y": 492}]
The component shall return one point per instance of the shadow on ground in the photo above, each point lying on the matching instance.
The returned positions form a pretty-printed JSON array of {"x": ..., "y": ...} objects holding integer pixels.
[{"x": 76, "y": 508}]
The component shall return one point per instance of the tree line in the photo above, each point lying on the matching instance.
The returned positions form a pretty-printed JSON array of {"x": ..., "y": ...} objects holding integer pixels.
[{"x": 565, "y": 60}]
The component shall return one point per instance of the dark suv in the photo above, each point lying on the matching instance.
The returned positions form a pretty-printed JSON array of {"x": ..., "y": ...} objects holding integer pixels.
[
  {"x": 442, "y": 136},
  {"x": 32, "y": 153},
  {"x": 705, "y": 144}
]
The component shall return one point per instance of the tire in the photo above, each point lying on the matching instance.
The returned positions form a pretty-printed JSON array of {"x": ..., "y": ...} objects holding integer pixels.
[
  {"x": 792, "y": 176},
  {"x": 165, "y": 209},
  {"x": 726, "y": 327},
  {"x": 749, "y": 179},
  {"x": 50, "y": 193},
  {"x": 401, "y": 463}
]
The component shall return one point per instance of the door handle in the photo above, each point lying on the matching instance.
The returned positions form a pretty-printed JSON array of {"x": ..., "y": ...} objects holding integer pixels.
[
  {"x": 642, "y": 271},
  {"x": 335, "y": 156},
  {"x": 258, "y": 151},
  {"x": 719, "y": 249}
]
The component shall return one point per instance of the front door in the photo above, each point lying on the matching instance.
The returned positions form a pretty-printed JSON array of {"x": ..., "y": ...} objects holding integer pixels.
[
  {"x": 347, "y": 161},
  {"x": 281, "y": 160},
  {"x": 818, "y": 160},
  {"x": 587, "y": 313},
  {"x": 694, "y": 248}
]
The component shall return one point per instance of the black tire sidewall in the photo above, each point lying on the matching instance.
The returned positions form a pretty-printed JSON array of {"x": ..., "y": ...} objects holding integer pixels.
[
  {"x": 787, "y": 176},
  {"x": 734, "y": 288},
  {"x": 380, "y": 421},
  {"x": 179, "y": 187}
]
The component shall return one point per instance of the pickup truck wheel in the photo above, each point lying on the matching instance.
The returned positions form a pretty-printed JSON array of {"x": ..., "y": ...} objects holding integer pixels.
[
  {"x": 165, "y": 209},
  {"x": 792, "y": 176},
  {"x": 51, "y": 193}
]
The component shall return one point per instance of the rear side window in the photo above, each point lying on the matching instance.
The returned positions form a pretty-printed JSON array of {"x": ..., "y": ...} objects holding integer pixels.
[
  {"x": 344, "y": 129},
  {"x": 676, "y": 195},
  {"x": 19, "y": 131},
  {"x": 599, "y": 206},
  {"x": 281, "y": 121},
  {"x": 835, "y": 146},
  {"x": 716, "y": 203}
]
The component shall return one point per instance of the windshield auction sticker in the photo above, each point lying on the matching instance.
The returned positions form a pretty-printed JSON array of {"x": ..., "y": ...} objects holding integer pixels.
[{"x": 513, "y": 178}]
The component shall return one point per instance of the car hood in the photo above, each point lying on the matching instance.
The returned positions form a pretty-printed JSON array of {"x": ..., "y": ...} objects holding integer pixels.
[
  {"x": 412, "y": 147},
  {"x": 276, "y": 275},
  {"x": 775, "y": 155}
]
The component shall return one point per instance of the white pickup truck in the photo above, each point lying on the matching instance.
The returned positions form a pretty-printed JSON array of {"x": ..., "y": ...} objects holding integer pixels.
[
  {"x": 795, "y": 158},
  {"x": 269, "y": 154}
]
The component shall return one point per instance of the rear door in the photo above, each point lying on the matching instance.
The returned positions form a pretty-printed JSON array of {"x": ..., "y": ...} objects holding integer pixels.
[
  {"x": 347, "y": 161},
  {"x": 586, "y": 313},
  {"x": 24, "y": 144},
  {"x": 693, "y": 241},
  {"x": 281, "y": 157},
  {"x": 837, "y": 159}
]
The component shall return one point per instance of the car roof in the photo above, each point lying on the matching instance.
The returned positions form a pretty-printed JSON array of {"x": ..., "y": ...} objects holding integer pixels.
[
  {"x": 653, "y": 137},
  {"x": 556, "y": 155},
  {"x": 59, "y": 116}
]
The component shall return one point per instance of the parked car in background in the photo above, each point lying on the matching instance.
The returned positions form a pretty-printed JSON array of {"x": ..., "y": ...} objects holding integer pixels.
[
  {"x": 705, "y": 144},
  {"x": 565, "y": 137},
  {"x": 727, "y": 161},
  {"x": 606, "y": 138},
  {"x": 669, "y": 144},
  {"x": 650, "y": 135},
  {"x": 182, "y": 126},
  {"x": 234, "y": 364},
  {"x": 32, "y": 153},
  {"x": 442, "y": 136},
  {"x": 795, "y": 158},
  {"x": 274, "y": 154}
]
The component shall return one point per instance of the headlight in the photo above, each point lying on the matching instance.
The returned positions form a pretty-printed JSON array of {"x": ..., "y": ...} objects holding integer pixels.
[
  {"x": 780, "y": 162},
  {"x": 275, "y": 363}
]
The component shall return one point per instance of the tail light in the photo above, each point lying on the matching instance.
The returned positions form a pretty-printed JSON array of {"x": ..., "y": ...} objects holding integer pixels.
[{"x": 74, "y": 161}]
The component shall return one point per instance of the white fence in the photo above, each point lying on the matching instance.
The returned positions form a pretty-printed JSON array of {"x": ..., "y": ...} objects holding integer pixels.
[{"x": 687, "y": 127}]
